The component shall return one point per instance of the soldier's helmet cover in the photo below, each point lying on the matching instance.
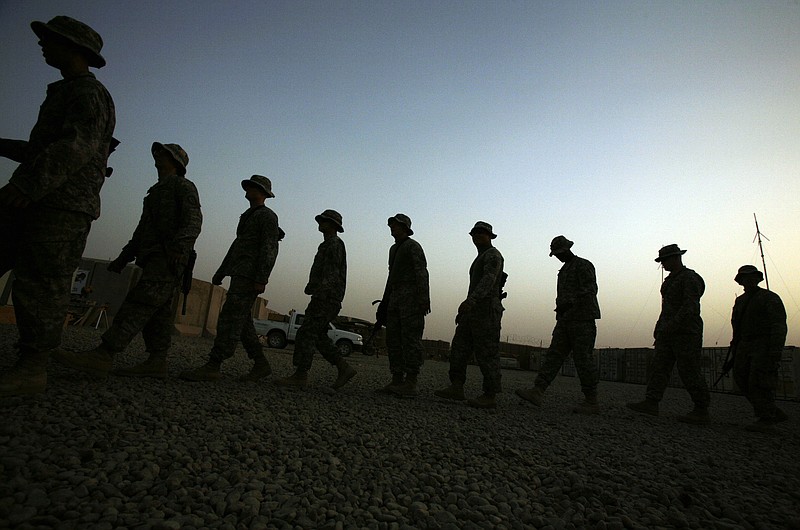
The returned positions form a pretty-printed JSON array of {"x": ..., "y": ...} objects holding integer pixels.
[
  {"x": 77, "y": 33},
  {"x": 669, "y": 250},
  {"x": 259, "y": 181},
  {"x": 560, "y": 244},
  {"x": 746, "y": 270},
  {"x": 175, "y": 151},
  {"x": 331, "y": 215},
  {"x": 483, "y": 226},
  {"x": 402, "y": 219}
]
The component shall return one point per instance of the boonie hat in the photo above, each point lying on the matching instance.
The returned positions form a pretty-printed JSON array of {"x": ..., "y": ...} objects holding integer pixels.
[
  {"x": 483, "y": 226},
  {"x": 560, "y": 244},
  {"x": 331, "y": 215},
  {"x": 669, "y": 250},
  {"x": 175, "y": 151},
  {"x": 259, "y": 181},
  {"x": 77, "y": 33},
  {"x": 746, "y": 270},
  {"x": 403, "y": 219}
]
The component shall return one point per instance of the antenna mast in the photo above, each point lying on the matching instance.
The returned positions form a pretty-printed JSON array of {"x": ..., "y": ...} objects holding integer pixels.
[{"x": 761, "y": 248}]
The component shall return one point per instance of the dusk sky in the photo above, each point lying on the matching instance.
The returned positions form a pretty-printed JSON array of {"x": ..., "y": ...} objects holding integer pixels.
[{"x": 624, "y": 126}]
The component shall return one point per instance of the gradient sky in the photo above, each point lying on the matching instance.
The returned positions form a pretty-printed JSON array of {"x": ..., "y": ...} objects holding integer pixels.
[{"x": 625, "y": 126}]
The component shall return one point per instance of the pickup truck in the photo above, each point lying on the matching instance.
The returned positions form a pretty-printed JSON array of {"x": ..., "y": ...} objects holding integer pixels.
[{"x": 278, "y": 334}]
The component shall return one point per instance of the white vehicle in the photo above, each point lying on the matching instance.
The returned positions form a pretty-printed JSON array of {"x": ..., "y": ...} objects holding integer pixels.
[{"x": 278, "y": 334}]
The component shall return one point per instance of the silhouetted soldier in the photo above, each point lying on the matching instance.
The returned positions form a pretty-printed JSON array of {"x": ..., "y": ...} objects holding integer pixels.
[
  {"x": 249, "y": 263},
  {"x": 575, "y": 331},
  {"x": 406, "y": 300},
  {"x": 478, "y": 323},
  {"x": 327, "y": 282},
  {"x": 53, "y": 196},
  {"x": 161, "y": 245},
  {"x": 759, "y": 333},
  {"x": 678, "y": 338}
]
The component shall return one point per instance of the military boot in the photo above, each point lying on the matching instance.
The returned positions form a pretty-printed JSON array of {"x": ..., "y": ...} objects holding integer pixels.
[
  {"x": 698, "y": 416},
  {"x": 207, "y": 372},
  {"x": 299, "y": 379},
  {"x": 345, "y": 373},
  {"x": 535, "y": 395},
  {"x": 484, "y": 401},
  {"x": 588, "y": 406},
  {"x": 397, "y": 380},
  {"x": 96, "y": 362},
  {"x": 260, "y": 370},
  {"x": 455, "y": 392},
  {"x": 155, "y": 366},
  {"x": 408, "y": 388},
  {"x": 27, "y": 376},
  {"x": 648, "y": 406}
]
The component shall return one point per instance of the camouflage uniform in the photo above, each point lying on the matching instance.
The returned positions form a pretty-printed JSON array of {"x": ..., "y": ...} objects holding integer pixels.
[
  {"x": 575, "y": 331},
  {"x": 170, "y": 223},
  {"x": 62, "y": 168},
  {"x": 478, "y": 330},
  {"x": 679, "y": 337},
  {"x": 408, "y": 294},
  {"x": 249, "y": 260},
  {"x": 759, "y": 331},
  {"x": 326, "y": 285}
]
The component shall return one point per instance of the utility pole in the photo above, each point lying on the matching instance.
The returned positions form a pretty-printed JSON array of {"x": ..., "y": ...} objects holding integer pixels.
[{"x": 761, "y": 249}]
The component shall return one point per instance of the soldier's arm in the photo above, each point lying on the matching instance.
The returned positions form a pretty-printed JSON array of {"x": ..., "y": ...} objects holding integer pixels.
[
  {"x": 83, "y": 135},
  {"x": 692, "y": 291},
  {"x": 268, "y": 247},
  {"x": 776, "y": 320},
  {"x": 485, "y": 288},
  {"x": 421, "y": 274},
  {"x": 190, "y": 219},
  {"x": 13, "y": 149}
]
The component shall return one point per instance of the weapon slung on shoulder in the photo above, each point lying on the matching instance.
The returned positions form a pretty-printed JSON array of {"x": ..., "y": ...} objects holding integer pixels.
[{"x": 186, "y": 283}]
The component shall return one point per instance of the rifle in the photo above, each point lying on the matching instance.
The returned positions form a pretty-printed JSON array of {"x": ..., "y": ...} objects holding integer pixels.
[
  {"x": 186, "y": 282},
  {"x": 727, "y": 365},
  {"x": 380, "y": 321}
]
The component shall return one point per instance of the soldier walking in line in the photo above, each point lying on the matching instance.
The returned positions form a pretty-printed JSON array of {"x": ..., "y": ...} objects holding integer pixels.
[
  {"x": 326, "y": 285},
  {"x": 759, "y": 333},
  {"x": 678, "y": 338},
  {"x": 478, "y": 323},
  {"x": 162, "y": 244},
  {"x": 575, "y": 331},
  {"x": 405, "y": 302},
  {"x": 48, "y": 205},
  {"x": 249, "y": 262}
]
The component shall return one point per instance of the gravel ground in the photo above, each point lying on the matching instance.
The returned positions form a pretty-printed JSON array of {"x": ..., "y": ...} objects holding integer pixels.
[{"x": 128, "y": 453}]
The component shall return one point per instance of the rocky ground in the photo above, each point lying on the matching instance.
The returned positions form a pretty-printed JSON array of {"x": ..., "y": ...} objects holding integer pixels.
[{"x": 127, "y": 453}]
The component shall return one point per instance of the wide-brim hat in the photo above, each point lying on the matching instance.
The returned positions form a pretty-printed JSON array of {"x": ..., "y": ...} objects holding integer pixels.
[
  {"x": 746, "y": 270},
  {"x": 560, "y": 244},
  {"x": 175, "y": 151},
  {"x": 669, "y": 250},
  {"x": 333, "y": 216},
  {"x": 403, "y": 219},
  {"x": 77, "y": 33},
  {"x": 259, "y": 181},
  {"x": 483, "y": 226}
]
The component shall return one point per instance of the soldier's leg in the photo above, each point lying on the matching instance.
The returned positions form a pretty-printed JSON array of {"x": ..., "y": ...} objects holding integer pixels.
[
  {"x": 763, "y": 382},
  {"x": 689, "y": 358},
  {"x": 660, "y": 369},
  {"x": 487, "y": 350},
  {"x": 413, "y": 326},
  {"x": 394, "y": 341},
  {"x": 460, "y": 351},
  {"x": 144, "y": 303},
  {"x": 308, "y": 336},
  {"x": 741, "y": 371},
  {"x": 584, "y": 333},
  {"x": 560, "y": 346},
  {"x": 157, "y": 331},
  {"x": 43, "y": 275},
  {"x": 327, "y": 313},
  {"x": 235, "y": 311}
]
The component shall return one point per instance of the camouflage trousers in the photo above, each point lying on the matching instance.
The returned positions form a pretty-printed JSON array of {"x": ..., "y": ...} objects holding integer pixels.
[
  {"x": 755, "y": 371},
  {"x": 478, "y": 333},
  {"x": 684, "y": 350},
  {"x": 313, "y": 334},
  {"x": 576, "y": 337},
  {"x": 404, "y": 341},
  {"x": 147, "y": 309},
  {"x": 235, "y": 322},
  {"x": 43, "y": 246}
]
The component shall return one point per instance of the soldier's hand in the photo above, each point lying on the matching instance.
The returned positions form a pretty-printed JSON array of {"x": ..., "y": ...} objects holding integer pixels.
[
  {"x": 174, "y": 259},
  {"x": 217, "y": 279},
  {"x": 12, "y": 196},
  {"x": 259, "y": 287},
  {"x": 425, "y": 307}
]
